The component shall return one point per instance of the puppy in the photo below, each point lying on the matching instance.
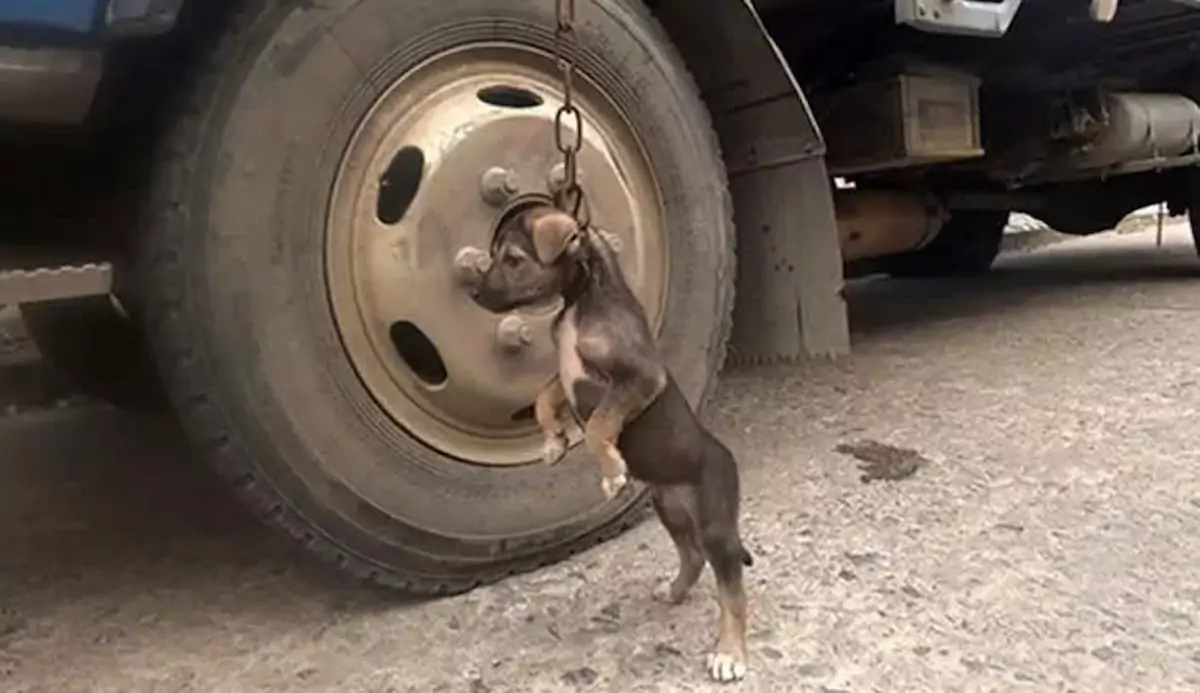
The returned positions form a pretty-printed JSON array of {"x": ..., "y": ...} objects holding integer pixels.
[{"x": 637, "y": 422}]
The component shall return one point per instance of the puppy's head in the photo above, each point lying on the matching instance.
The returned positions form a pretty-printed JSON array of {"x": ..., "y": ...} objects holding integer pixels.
[{"x": 528, "y": 260}]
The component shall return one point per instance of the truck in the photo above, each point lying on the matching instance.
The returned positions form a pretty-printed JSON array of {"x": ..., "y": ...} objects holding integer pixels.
[{"x": 246, "y": 214}]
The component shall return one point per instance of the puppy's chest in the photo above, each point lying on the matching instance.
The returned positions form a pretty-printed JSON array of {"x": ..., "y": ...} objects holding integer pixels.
[{"x": 580, "y": 386}]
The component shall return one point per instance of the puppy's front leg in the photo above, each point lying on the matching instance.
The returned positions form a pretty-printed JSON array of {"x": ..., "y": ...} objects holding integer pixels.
[
  {"x": 636, "y": 378},
  {"x": 620, "y": 404},
  {"x": 545, "y": 409},
  {"x": 600, "y": 434}
]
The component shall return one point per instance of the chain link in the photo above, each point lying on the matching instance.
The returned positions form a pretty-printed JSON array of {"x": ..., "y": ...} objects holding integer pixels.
[{"x": 570, "y": 196}]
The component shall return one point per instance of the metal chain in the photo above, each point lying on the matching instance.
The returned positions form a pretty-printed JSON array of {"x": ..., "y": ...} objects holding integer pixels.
[{"x": 569, "y": 196}]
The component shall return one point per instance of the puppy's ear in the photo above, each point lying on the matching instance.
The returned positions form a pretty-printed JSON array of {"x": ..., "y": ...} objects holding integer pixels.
[{"x": 552, "y": 231}]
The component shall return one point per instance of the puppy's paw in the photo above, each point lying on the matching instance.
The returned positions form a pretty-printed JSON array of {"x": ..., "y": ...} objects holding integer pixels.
[
  {"x": 726, "y": 667},
  {"x": 554, "y": 448},
  {"x": 612, "y": 485}
]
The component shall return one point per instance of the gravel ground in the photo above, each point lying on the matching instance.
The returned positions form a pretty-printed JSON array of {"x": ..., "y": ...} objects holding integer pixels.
[{"x": 1048, "y": 542}]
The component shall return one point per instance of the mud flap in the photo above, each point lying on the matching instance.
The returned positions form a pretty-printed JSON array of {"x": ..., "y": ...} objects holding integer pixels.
[{"x": 788, "y": 300}]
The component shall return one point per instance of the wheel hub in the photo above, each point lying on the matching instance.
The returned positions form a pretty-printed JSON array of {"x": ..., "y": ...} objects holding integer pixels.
[{"x": 443, "y": 153}]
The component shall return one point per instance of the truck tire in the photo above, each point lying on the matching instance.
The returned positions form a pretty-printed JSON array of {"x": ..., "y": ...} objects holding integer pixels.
[
  {"x": 297, "y": 265},
  {"x": 967, "y": 245},
  {"x": 99, "y": 350}
]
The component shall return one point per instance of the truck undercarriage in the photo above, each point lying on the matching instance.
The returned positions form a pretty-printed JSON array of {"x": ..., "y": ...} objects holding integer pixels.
[{"x": 1070, "y": 108}]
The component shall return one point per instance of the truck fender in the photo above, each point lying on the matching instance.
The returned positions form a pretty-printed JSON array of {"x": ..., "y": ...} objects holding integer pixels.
[{"x": 788, "y": 299}]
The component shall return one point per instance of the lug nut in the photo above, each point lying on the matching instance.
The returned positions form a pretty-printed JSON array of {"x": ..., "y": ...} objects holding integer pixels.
[
  {"x": 557, "y": 177},
  {"x": 470, "y": 264},
  {"x": 498, "y": 185},
  {"x": 513, "y": 333}
]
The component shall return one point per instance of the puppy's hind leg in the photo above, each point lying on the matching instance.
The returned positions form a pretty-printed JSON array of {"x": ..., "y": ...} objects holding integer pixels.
[
  {"x": 727, "y": 662},
  {"x": 719, "y": 531},
  {"x": 677, "y": 508}
]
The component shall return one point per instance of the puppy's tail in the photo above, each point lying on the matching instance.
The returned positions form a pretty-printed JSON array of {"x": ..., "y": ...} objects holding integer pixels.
[{"x": 720, "y": 498}]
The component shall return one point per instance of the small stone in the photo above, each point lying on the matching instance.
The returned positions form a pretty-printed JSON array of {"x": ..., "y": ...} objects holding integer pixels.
[
  {"x": 863, "y": 558},
  {"x": 813, "y": 670},
  {"x": 583, "y": 676},
  {"x": 912, "y": 591},
  {"x": 454, "y": 623},
  {"x": 307, "y": 673},
  {"x": 847, "y": 574},
  {"x": 922, "y": 650},
  {"x": 972, "y": 665},
  {"x": 609, "y": 618},
  {"x": 478, "y": 686},
  {"x": 1104, "y": 653},
  {"x": 772, "y": 653},
  {"x": 662, "y": 649}
]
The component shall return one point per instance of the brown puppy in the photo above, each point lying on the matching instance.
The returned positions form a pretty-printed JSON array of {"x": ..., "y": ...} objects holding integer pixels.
[{"x": 637, "y": 421}]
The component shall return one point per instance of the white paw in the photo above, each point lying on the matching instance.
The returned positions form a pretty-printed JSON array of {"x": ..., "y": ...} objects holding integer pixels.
[
  {"x": 553, "y": 449},
  {"x": 612, "y": 485},
  {"x": 725, "y": 667}
]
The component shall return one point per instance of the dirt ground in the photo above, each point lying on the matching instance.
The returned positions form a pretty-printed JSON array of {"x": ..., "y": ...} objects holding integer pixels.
[{"x": 1034, "y": 524}]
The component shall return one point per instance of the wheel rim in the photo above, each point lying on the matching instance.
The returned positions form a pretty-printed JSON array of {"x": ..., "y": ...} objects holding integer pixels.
[{"x": 440, "y": 157}]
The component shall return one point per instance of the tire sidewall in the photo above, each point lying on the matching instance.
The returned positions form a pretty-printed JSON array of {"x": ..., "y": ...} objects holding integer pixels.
[{"x": 255, "y": 280}]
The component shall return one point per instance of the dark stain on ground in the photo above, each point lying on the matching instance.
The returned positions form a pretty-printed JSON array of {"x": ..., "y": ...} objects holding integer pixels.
[{"x": 882, "y": 462}]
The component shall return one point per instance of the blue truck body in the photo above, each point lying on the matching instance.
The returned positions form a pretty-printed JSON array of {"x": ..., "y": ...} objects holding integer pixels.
[
  {"x": 89, "y": 18},
  {"x": 72, "y": 16}
]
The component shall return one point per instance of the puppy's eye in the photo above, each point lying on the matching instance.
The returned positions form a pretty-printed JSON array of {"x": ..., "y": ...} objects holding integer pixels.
[{"x": 513, "y": 260}]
